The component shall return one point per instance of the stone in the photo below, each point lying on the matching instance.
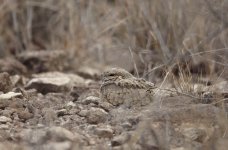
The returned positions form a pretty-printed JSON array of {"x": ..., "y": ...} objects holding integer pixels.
[
  {"x": 70, "y": 104},
  {"x": 6, "y": 84},
  {"x": 120, "y": 139},
  {"x": 90, "y": 99},
  {"x": 66, "y": 145},
  {"x": 83, "y": 113},
  {"x": 24, "y": 115},
  {"x": 9, "y": 95},
  {"x": 60, "y": 134},
  {"x": 54, "y": 82},
  {"x": 194, "y": 134},
  {"x": 4, "y": 127},
  {"x": 4, "y": 119},
  {"x": 96, "y": 115},
  {"x": 61, "y": 112},
  {"x": 88, "y": 72},
  {"x": 104, "y": 132}
]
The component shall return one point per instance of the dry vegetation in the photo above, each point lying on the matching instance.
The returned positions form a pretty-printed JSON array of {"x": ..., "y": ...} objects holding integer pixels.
[
  {"x": 158, "y": 31},
  {"x": 159, "y": 40}
]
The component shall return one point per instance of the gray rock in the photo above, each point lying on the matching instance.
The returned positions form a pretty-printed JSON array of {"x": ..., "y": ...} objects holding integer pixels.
[
  {"x": 9, "y": 95},
  {"x": 4, "y": 119},
  {"x": 61, "y": 112},
  {"x": 96, "y": 115},
  {"x": 5, "y": 82},
  {"x": 120, "y": 139},
  {"x": 66, "y": 145},
  {"x": 104, "y": 132},
  {"x": 60, "y": 134},
  {"x": 4, "y": 126},
  {"x": 91, "y": 99},
  {"x": 194, "y": 134},
  {"x": 83, "y": 113},
  {"x": 89, "y": 72},
  {"x": 54, "y": 82}
]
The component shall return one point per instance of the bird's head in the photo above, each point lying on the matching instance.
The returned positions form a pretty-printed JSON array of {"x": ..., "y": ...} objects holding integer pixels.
[{"x": 115, "y": 73}]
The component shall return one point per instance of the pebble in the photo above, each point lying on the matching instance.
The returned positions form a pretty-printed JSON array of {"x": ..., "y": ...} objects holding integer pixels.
[
  {"x": 66, "y": 145},
  {"x": 9, "y": 95},
  {"x": 96, "y": 115},
  {"x": 104, "y": 132},
  {"x": 5, "y": 82},
  {"x": 120, "y": 139},
  {"x": 194, "y": 134},
  {"x": 4, "y": 119},
  {"x": 60, "y": 134},
  {"x": 53, "y": 82}
]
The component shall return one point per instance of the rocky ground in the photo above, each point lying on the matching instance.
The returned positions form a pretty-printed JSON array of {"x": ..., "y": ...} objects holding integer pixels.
[{"x": 41, "y": 108}]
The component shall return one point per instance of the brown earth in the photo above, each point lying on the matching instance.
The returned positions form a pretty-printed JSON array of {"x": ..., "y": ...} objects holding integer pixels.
[{"x": 42, "y": 108}]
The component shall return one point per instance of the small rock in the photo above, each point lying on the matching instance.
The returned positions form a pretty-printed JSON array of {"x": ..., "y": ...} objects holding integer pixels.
[
  {"x": 91, "y": 99},
  {"x": 24, "y": 115},
  {"x": 4, "y": 119},
  {"x": 194, "y": 134},
  {"x": 83, "y": 113},
  {"x": 9, "y": 95},
  {"x": 5, "y": 82},
  {"x": 120, "y": 139},
  {"x": 96, "y": 115},
  {"x": 4, "y": 126},
  {"x": 126, "y": 125},
  {"x": 104, "y": 132},
  {"x": 106, "y": 106},
  {"x": 7, "y": 112},
  {"x": 88, "y": 72},
  {"x": 70, "y": 104},
  {"x": 58, "y": 146},
  {"x": 53, "y": 82},
  {"x": 17, "y": 103},
  {"x": 61, "y": 112},
  {"x": 60, "y": 134}
]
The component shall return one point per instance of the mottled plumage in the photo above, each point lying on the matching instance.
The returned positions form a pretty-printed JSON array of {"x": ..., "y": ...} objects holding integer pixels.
[{"x": 120, "y": 87}]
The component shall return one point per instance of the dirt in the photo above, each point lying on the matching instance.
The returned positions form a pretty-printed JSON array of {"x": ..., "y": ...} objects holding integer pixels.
[{"x": 43, "y": 107}]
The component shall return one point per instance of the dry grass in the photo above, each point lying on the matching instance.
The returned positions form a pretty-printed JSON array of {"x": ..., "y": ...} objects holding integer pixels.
[{"x": 156, "y": 31}]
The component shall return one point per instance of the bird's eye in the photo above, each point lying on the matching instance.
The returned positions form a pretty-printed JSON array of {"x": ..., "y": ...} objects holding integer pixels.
[{"x": 112, "y": 74}]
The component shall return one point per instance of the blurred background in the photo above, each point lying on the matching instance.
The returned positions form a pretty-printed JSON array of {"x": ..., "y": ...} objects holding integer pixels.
[{"x": 146, "y": 37}]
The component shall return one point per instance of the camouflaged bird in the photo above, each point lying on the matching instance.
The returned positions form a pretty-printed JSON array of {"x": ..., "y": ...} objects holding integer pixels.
[{"x": 120, "y": 87}]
